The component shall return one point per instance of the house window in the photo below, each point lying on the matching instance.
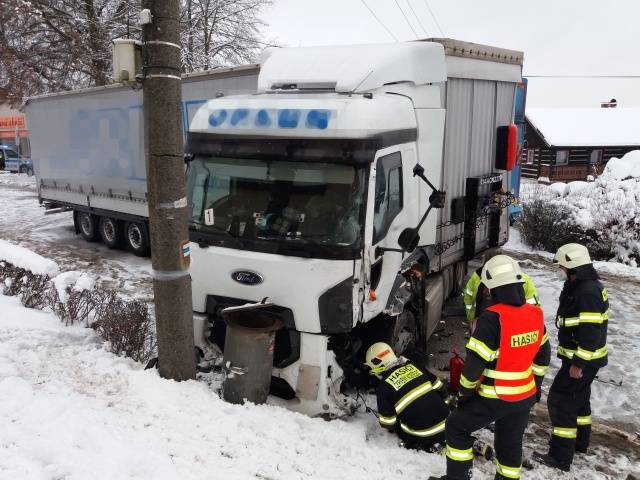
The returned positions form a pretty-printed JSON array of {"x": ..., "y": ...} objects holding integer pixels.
[
  {"x": 562, "y": 157},
  {"x": 596, "y": 157},
  {"x": 531, "y": 156}
]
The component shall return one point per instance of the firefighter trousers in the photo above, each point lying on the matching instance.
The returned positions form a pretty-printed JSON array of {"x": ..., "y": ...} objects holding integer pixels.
[
  {"x": 570, "y": 412},
  {"x": 511, "y": 419}
]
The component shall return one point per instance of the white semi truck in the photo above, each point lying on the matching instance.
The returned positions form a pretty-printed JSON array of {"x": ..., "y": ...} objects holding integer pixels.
[{"x": 311, "y": 190}]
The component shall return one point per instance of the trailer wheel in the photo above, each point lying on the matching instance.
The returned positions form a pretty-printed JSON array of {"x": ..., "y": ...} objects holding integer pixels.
[
  {"x": 111, "y": 232},
  {"x": 137, "y": 238},
  {"x": 88, "y": 226}
]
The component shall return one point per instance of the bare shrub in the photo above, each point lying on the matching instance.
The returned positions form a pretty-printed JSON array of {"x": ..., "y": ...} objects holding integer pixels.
[
  {"x": 128, "y": 328},
  {"x": 35, "y": 292},
  {"x": 547, "y": 225}
]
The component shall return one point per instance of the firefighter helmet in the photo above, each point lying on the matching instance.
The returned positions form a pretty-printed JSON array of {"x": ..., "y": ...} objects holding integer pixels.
[
  {"x": 501, "y": 270},
  {"x": 572, "y": 255},
  {"x": 378, "y": 357}
]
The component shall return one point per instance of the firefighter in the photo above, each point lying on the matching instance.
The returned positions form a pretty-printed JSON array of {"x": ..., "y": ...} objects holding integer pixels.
[
  {"x": 507, "y": 357},
  {"x": 411, "y": 400},
  {"x": 582, "y": 320},
  {"x": 476, "y": 297}
]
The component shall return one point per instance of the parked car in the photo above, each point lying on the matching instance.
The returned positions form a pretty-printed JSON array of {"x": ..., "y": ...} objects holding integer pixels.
[{"x": 12, "y": 161}]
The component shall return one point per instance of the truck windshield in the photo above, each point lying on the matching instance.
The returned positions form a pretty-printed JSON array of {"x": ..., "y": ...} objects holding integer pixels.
[{"x": 288, "y": 207}]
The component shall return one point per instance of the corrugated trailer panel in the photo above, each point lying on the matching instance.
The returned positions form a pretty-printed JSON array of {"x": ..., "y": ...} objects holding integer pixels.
[
  {"x": 475, "y": 108},
  {"x": 456, "y": 156}
]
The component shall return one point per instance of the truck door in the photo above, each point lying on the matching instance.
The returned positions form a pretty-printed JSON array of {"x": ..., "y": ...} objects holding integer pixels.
[{"x": 387, "y": 215}]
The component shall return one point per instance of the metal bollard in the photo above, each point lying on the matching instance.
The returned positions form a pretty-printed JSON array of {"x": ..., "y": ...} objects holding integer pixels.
[{"x": 248, "y": 355}]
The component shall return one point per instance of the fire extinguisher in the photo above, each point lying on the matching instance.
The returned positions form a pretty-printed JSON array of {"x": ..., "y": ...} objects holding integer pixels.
[{"x": 455, "y": 370}]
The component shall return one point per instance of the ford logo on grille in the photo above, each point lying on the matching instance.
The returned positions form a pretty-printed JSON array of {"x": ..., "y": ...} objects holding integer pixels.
[{"x": 247, "y": 277}]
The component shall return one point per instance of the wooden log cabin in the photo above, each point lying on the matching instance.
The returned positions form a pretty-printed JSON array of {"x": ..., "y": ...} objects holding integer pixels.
[{"x": 567, "y": 144}]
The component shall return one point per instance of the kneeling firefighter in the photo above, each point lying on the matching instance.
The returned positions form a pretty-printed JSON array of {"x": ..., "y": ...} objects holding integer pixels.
[
  {"x": 507, "y": 357},
  {"x": 411, "y": 400}
]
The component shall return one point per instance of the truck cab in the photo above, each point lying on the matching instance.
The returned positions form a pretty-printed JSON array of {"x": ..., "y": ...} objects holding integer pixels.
[{"x": 299, "y": 195}]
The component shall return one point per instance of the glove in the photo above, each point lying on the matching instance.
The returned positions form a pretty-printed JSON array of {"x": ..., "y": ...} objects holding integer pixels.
[{"x": 538, "y": 395}]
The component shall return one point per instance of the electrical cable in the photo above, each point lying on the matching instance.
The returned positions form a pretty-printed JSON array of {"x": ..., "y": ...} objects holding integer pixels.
[
  {"x": 417, "y": 18},
  {"x": 581, "y": 76},
  {"x": 379, "y": 21},
  {"x": 426, "y": 2},
  {"x": 406, "y": 19}
]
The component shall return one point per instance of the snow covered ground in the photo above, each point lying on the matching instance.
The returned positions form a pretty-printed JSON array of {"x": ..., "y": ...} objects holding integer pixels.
[
  {"x": 23, "y": 222},
  {"x": 72, "y": 410}
]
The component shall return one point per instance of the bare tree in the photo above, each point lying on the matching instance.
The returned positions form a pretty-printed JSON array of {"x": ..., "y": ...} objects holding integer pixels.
[
  {"x": 221, "y": 32},
  {"x": 52, "y": 45}
]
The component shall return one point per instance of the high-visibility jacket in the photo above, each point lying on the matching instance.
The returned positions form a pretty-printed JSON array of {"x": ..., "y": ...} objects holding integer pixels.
[
  {"x": 521, "y": 333},
  {"x": 508, "y": 353},
  {"x": 474, "y": 305},
  {"x": 411, "y": 401},
  {"x": 582, "y": 320}
]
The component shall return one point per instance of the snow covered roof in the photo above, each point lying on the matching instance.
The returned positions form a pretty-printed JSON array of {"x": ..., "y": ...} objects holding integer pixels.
[{"x": 593, "y": 127}]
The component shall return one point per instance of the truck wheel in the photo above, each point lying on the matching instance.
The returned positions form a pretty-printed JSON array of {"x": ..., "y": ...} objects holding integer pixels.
[
  {"x": 403, "y": 333},
  {"x": 111, "y": 232},
  {"x": 30, "y": 171},
  {"x": 137, "y": 238},
  {"x": 88, "y": 226}
]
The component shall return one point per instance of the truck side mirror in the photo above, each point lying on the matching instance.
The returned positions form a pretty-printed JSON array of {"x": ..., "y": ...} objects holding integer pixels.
[{"x": 408, "y": 239}]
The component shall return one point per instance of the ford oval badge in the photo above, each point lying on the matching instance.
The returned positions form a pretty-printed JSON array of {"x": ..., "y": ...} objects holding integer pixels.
[{"x": 247, "y": 277}]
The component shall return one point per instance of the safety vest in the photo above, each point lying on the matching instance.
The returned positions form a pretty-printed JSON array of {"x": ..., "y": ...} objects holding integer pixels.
[{"x": 521, "y": 331}]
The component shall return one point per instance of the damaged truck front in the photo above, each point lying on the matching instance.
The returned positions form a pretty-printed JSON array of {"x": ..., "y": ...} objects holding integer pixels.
[{"x": 300, "y": 193}]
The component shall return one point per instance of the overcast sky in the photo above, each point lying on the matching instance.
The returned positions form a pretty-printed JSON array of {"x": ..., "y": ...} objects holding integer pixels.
[{"x": 559, "y": 37}]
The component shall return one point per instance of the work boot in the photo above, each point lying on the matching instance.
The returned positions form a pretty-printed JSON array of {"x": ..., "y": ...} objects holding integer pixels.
[
  {"x": 444, "y": 477},
  {"x": 549, "y": 461}
]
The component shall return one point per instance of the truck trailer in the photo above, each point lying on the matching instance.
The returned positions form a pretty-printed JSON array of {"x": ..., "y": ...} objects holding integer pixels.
[
  {"x": 88, "y": 147},
  {"x": 348, "y": 186}
]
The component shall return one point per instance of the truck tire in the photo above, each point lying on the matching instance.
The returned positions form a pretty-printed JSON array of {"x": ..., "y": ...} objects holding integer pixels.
[
  {"x": 403, "y": 332},
  {"x": 88, "y": 226},
  {"x": 30, "y": 171},
  {"x": 137, "y": 238},
  {"x": 111, "y": 232}
]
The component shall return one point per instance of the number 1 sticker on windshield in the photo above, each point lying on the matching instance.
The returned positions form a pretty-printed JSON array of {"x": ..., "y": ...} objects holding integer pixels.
[{"x": 208, "y": 216}]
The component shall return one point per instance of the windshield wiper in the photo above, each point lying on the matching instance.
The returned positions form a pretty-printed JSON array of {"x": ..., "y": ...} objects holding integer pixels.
[{"x": 217, "y": 229}]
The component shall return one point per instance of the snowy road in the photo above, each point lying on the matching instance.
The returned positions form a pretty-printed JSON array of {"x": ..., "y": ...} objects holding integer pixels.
[{"x": 23, "y": 221}]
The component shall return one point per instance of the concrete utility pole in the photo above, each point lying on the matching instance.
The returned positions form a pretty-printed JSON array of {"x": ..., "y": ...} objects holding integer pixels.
[{"x": 166, "y": 187}]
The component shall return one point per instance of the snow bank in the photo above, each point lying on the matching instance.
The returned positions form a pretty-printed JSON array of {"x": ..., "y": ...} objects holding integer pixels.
[
  {"x": 24, "y": 258},
  {"x": 607, "y": 211},
  {"x": 623, "y": 168},
  {"x": 79, "y": 281}
]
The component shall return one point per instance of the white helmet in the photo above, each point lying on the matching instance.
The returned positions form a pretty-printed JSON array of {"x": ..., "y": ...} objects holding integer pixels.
[
  {"x": 379, "y": 356},
  {"x": 572, "y": 255},
  {"x": 501, "y": 270}
]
